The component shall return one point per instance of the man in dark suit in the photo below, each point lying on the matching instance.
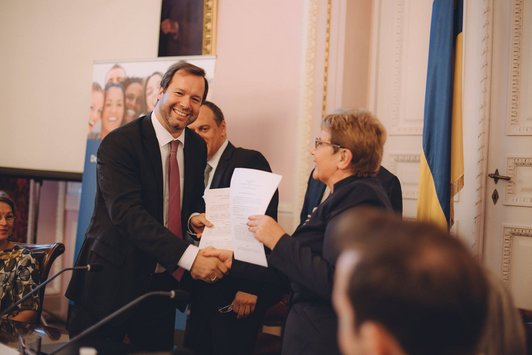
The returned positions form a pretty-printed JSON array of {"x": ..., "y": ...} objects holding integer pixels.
[
  {"x": 231, "y": 330},
  {"x": 317, "y": 192},
  {"x": 128, "y": 234}
]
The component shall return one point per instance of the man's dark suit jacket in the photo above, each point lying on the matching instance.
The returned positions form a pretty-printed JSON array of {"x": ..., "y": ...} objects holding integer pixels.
[
  {"x": 207, "y": 298},
  {"x": 126, "y": 234},
  {"x": 316, "y": 188}
]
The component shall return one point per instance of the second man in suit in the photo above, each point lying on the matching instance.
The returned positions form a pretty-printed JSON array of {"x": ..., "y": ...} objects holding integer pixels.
[{"x": 226, "y": 316}]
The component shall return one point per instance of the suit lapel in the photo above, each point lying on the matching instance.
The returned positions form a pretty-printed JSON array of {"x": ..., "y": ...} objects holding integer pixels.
[
  {"x": 153, "y": 152},
  {"x": 223, "y": 165},
  {"x": 153, "y": 155}
]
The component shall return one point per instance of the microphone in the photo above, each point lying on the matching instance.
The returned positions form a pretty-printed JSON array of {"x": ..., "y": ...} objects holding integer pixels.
[
  {"x": 177, "y": 295},
  {"x": 88, "y": 267}
]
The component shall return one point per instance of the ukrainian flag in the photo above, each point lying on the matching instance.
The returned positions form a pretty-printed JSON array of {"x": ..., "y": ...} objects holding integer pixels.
[{"x": 442, "y": 161}]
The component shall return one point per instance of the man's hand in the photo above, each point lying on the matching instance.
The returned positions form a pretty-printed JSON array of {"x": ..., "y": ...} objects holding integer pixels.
[
  {"x": 266, "y": 230},
  {"x": 244, "y": 304},
  {"x": 225, "y": 256},
  {"x": 198, "y": 222},
  {"x": 208, "y": 268}
]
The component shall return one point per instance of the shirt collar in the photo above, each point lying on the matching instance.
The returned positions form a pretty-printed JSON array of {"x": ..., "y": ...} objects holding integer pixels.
[
  {"x": 163, "y": 136},
  {"x": 213, "y": 162}
]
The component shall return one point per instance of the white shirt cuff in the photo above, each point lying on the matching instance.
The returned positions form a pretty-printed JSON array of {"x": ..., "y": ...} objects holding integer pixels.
[{"x": 188, "y": 257}]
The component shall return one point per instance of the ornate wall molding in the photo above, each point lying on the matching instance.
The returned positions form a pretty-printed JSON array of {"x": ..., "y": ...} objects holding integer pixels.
[
  {"x": 518, "y": 191},
  {"x": 406, "y": 167},
  {"x": 308, "y": 104},
  {"x": 209, "y": 27},
  {"x": 483, "y": 125},
  {"x": 396, "y": 74},
  {"x": 516, "y": 120},
  {"x": 326, "y": 59},
  {"x": 402, "y": 123},
  {"x": 509, "y": 233}
]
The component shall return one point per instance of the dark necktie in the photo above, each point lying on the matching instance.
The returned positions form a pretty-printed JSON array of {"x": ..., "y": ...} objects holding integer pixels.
[{"x": 174, "y": 199}]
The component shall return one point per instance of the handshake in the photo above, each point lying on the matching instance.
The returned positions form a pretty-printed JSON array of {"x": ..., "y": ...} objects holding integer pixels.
[{"x": 210, "y": 264}]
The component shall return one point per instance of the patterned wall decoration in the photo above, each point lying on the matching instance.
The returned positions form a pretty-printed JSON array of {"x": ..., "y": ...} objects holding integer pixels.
[
  {"x": 407, "y": 90},
  {"x": 509, "y": 234},
  {"x": 519, "y": 120},
  {"x": 406, "y": 167},
  {"x": 209, "y": 27},
  {"x": 483, "y": 125},
  {"x": 518, "y": 190}
]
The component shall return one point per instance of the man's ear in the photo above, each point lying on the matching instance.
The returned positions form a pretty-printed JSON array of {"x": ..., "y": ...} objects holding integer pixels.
[
  {"x": 378, "y": 340},
  {"x": 223, "y": 126}
]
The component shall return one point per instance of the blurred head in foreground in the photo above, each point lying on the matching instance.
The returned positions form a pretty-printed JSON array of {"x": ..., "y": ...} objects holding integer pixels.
[{"x": 405, "y": 288}]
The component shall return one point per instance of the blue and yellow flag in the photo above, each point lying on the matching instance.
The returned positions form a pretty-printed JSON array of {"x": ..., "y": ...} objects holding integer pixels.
[{"x": 442, "y": 161}]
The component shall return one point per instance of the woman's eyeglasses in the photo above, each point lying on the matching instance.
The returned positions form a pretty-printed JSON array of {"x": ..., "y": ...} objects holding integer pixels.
[
  {"x": 318, "y": 142},
  {"x": 8, "y": 217}
]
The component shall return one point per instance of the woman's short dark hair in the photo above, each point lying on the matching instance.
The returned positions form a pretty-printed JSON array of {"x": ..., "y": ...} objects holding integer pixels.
[{"x": 5, "y": 198}]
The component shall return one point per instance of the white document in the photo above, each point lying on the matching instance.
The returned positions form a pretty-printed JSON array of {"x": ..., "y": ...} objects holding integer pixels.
[
  {"x": 218, "y": 212},
  {"x": 251, "y": 193},
  {"x": 228, "y": 209}
]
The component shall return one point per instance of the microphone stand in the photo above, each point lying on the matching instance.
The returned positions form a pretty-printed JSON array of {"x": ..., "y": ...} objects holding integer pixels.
[
  {"x": 92, "y": 328},
  {"x": 41, "y": 285}
]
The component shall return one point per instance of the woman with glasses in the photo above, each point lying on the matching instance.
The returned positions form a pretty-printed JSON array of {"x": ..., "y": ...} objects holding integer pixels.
[
  {"x": 347, "y": 156},
  {"x": 18, "y": 269}
]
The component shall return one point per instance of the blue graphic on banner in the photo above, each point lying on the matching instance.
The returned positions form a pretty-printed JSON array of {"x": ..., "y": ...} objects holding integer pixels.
[{"x": 88, "y": 192}]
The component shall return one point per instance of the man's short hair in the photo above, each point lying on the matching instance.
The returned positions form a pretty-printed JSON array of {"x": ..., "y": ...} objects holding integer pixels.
[
  {"x": 188, "y": 68},
  {"x": 218, "y": 114},
  {"x": 416, "y": 280}
]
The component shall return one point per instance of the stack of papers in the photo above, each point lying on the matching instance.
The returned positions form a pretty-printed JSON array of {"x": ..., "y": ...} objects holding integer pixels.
[{"x": 228, "y": 209}]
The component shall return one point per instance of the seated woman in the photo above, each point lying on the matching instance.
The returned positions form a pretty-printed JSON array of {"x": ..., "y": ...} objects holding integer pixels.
[
  {"x": 19, "y": 272},
  {"x": 347, "y": 156}
]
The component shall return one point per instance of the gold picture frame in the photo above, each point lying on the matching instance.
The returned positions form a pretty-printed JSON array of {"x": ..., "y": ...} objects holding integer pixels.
[{"x": 209, "y": 27}]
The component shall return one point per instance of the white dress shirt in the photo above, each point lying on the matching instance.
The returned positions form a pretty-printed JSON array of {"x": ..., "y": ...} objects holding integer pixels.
[{"x": 164, "y": 138}]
